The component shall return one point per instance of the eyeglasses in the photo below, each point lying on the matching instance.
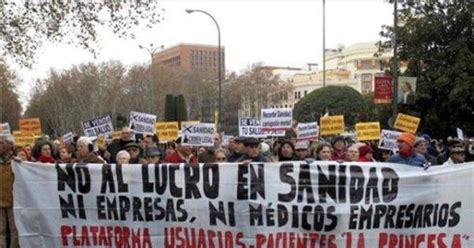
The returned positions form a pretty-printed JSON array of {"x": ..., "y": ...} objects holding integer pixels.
[{"x": 221, "y": 159}]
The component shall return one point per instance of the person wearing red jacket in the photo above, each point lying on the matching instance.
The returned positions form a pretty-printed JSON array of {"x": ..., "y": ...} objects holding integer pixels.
[{"x": 182, "y": 154}]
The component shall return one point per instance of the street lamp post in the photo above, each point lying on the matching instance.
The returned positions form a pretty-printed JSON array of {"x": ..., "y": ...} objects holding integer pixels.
[
  {"x": 151, "y": 50},
  {"x": 219, "y": 69}
]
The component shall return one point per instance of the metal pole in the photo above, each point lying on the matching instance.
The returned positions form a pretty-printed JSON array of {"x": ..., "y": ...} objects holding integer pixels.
[
  {"x": 324, "y": 43},
  {"x": 219, "y": 69},
  {"x": 395, "y": 61}
]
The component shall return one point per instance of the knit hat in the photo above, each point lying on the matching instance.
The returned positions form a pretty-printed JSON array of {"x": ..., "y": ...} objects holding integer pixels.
[
  {"x": 418, "y": 141},
  {"x": 408, "y": 138},
  {"x": 363, "y": 150}
]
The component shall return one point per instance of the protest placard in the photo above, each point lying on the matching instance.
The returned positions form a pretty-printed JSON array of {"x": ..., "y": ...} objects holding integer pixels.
[
  {"x": 257, "y": 205},
  {"x": 142, "y": 122},
  {"x": 5, "y": 129},
  {"x": 368, "y": 131},
  {"x": 460, "y": 133},
  {"x": 167, "y": 131},
  {"x": 67, "y": 138},
  {"x": 383, "y": 89},
  {"x": 331, "y": 125},
  {"x": 32, "y": 125},
  {"x": 251, "y": 127},
  {"x": 407, "y": 123},
  {"x": 276, "y": 119},
  {"x": 307, "y": 131},
  {"x": 116, "y": 135},
  {"x": 201, "y": 134},
  {"x": 388, "y": 140},
  {"x": 23, "y": 139},
  {"x": 100, "y": 125}
]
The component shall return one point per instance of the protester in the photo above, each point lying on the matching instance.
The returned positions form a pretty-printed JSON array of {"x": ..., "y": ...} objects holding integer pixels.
[
  {"x": 239, "y": 149},
  {"x": 43, "y": 151},
  {"x": 444, "y": 154},
  {"x": 66, "y": 154},
  {"x": 6, "y": 194},
  {"x": 301, "y": 150},
  {"x": 85, "y": 152},
  {"x": 217, "y": 140},
  {"x": 275, "y": 149},
  {"x": 118, "y": 145},
  {"x": 135, "y": 152},
  {"x": 170, "y": 148},
  {"x": 220, "y": 155},
  {"x": 323, "y": 151},
  {"x": 366, "y": 154},
  {"x": 152, "y": 154},
  {"x": 206, "y": 154},
  {"x": 182, "y": 154},
  {"x": 286, "y": 151},
  {"x": 421, "y": 147},
  {"x": 265, "y": 150},
  {"x": 28, "y": 150},
  {"x": 407, "y": 154},
  {"x": 253, "y": 152},
  {"x": 123, "y": 157},
  {"x": 21, "y": 154},
  {"x": 457, "y": 154},
  {"x": 352, "y": 154},
  {"x": 384, "y": 155},
  {"x": 149, "y": 139},
  {"x": 339, "y": 148}
]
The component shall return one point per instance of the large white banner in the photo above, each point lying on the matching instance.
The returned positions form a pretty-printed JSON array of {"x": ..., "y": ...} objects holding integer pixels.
[
  {"x": 324, "y": 204},
  {"x": 200, "y": 134},
  {"x": 142, "y": 122},
  {"x": 99, "y": 125},
  {"x": 277, "y": 119}
]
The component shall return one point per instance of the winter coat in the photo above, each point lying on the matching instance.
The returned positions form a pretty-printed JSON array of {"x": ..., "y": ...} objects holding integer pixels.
[
  {"x": 115, "y": 147},
  {"x": 175, "y": 158},
  {"x": 6, "y": 182},
  {"x": 414, "y": 160},
  {"x": 91, "y": 158}
]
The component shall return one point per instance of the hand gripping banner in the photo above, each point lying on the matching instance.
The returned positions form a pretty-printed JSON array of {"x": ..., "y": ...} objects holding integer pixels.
[{"x": 294, "y": 204}]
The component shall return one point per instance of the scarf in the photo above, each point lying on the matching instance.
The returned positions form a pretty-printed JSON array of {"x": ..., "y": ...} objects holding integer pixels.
[{"x": 44, "y": 159}]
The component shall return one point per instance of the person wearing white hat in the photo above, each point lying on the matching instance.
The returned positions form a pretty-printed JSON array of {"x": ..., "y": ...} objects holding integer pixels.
[{"x": 85, "y": 151}]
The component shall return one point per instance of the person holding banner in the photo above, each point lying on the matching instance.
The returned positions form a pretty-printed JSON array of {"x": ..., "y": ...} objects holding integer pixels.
[
  {"x": 239, "y": 149},
  {"x": 253, "y": 154},
  {"x": 135, "y": 152},
  {"x": 286, "y": 151},
  {"x": 152, "y": 154},
  {"x": 456, "y": 154},
  {"x": 182, "y": 154},
  {"x": 301, "y": 150},
  {"x": 421, "y": 146},
  {"x": 352, "y": 154},
  {"x": 6, "y": 194},
  {"x": 323, "y": 151},
  {"x": 65, "y": 154},
  {"x": 85, "y": 152},
  {"x": 407, "y": 155},
  {"x": 339, "y": 148},
  {"x": 43, "y": 151},
  {"x": 117, "y": 145},
  {"x": 366, "y": 154}
]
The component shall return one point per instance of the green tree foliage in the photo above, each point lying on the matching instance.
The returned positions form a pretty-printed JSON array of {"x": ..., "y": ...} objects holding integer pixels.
[
  {"x": 337, "y": 100},
  {"x": 436, "y": 42},
  {"x": 181, "y": 113},
  {"x": 10, "y": 107},
  {"x": 26, "y": 25},
  {"x": 170, "y": 108}
]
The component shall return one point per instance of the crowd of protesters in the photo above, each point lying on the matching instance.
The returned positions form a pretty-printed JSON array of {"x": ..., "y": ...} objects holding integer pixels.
[{"x": 413, "y": 151}]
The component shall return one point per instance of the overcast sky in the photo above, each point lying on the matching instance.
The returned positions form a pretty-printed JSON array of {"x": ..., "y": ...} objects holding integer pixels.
[{"x": 275, "y": 32}]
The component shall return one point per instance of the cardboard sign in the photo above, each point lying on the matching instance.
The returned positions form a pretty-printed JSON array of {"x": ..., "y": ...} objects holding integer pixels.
[
  {"x": 167, "y": 131},
  {"x": 101, "y": 142},
  {"x": 407, "y": 123},
  {"x": 23, "y": 139},
  {"x": 251, "y": 127},
  {"x": 142, "y": 122},
  {"x": 100, "y": 125},
  {"x": 368, "y": 131},
  {"x": 5, "y": 129},
  {"x": 388, "y": 140},
  {"x": 116, "y": 135},
  {"x": 383, "y": 89},
  {"x": 331, "y": 125},
  {"x": 324, "y": 204},
  {"x": 307, "y": 131},
  {"x": 32, "y": 125},
  {"x": 201, "y": 134},
  {"x": 460, "y": 133},
  {"x": 67, "y": 138},
  {"x": 277, "y": 119}
]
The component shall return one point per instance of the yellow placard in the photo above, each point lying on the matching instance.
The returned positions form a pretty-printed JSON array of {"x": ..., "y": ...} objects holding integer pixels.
[
  {"x": 407, "y": 123},
  {"x": 23, "y": 139},
  {"x": 167, "y": 131},
  {"x": 100, "y": 142},
  {"x": 368, "y": 131},
  {"x": 189, "y": 122},
  {"x": 32, "y": 125},
  {"x": 116, "y": 135},
  {"x": 331, "y": 125}
]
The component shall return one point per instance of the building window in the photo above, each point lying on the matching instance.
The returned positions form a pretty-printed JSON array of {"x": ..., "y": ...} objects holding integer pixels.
[
  {"x": 305, "y": 92},
  {"x": 366, "y": 77},
  {"x": 296, "y": 95}
]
